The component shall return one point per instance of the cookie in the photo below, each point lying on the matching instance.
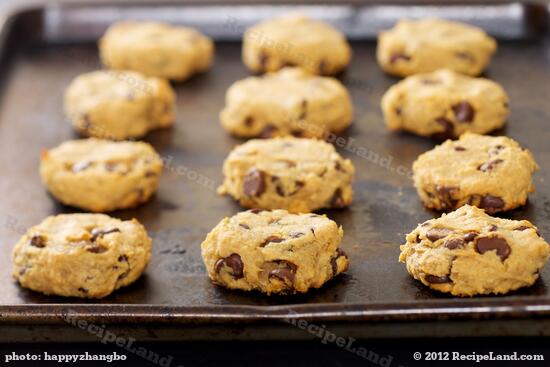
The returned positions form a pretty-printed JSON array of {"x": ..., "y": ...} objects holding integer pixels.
[
  {"x": 295, "y": 40},
  {"x": 421, "y": 46},
  {"x": 468, "y": 252},
  {"x": 444, "y": 105},
  {"x": 287, "y": 102},
  {"x": 81, "y": 255},
  {"x": 156, "y": 49},
  {"x": 492, "y": 173},
  {"x": 118, "y": 104},
  {"x": 274, "y": 251},
  {"x": 101, "y": 175},
  {"x": 299, "y": 175}
]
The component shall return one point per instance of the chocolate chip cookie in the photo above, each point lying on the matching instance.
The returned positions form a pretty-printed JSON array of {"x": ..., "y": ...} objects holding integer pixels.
[
  {"x": 421, "y": 46},
  {"x": 274, "y": 251},
  {"x": 468, "y": 252},
  {"x": 299, "y": 175},
  {"x": 101, "y": 175},
  {"x": 492, "y": 173},
  {"x": 81, "y": 255},
  {"x": 444, "y": 105},
  {"x": 156, "y": 49},
  {"x": 288, "y": 102},
  {"x": 119, "y": 105},
  {"x": 295, "y": 40}
]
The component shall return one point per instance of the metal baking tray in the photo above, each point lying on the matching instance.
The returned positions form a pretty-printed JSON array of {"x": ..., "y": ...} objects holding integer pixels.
[{"x": 43, "y": 47}]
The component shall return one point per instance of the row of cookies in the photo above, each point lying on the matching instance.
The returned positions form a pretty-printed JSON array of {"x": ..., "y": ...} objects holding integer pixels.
[{"x": 91, "y": 255}]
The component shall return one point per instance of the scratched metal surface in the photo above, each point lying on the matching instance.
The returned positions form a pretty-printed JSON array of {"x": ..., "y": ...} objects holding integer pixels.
[{"x": 386, "y": 207}]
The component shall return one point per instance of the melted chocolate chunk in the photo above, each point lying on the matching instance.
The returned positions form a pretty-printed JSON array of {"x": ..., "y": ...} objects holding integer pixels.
[
  {"x": 445, "y": 195},
  {"x": 470, "y": 236},
  {"x": 37, "y": 241},
  {"x": 256, "y": 210},
  {"x": 339, "y": 253},
  {"x": 448, "y": 129},
  {"x": 245, "y": 226},
  {"x": 464, "y": 112},
  {"x": 286, "y": 272},
  {"x": 454, "y": 243},
  {"x": 232, "y": 262},
  {"x": 491, "y": 204},
  {"x": 494, "y": 243},
  {"x": 522, "y": 228},
  {"x": 458, "y": 148},
  {"x": 254, "y": 183},
  {"x": 123, "y": 259},
  {"x": 489, "y": 166},
  {"x": 435, "y": 234},
  {"x": 433, "y": 279},
  {"x": 97, "y": 233},
  {"x": 271, "y": 239}
]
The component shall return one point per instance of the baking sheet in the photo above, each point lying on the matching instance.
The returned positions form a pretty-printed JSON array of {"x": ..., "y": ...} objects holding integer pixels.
[{"x": 175, "y": 289}]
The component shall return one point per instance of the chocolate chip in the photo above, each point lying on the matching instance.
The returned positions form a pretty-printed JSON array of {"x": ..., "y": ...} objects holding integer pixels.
[
  {"x": 484, "y": 244},
  {"x": 279, "y": 190},
  {"x": 96, "y": 233},
  {"x": 81, "y": 166},
  {"x": 254, "y": 182},
  {"x": 123, "y": 259},
  {"x": 448, "y": 129},
  {"x": 297, "y": 234},
  {"x": 445, "y": 195},
  {"x": 339, "y": 253},
  {"x": 286, "y": 272},
  {"x": 417, "y": 239},
  {"x": 399, "y": 56},
  {"x": 454, "y": 243},
  {"x": 470, "y": 236},
  {"x": 435, "y": 234},
  {"x": 337, "y": 201},
  {"x": 96, "y": 249},
  {"x": 458, "y": 148},
  {"x": 233, "y": 262},
  {"x": 271, "y": 239},
  {"x": 338, "y": 167},
  {"x": 522, "y": 228},
  {"x": 249, "y": 121},
  {"x": 464, "y": 112},
  {"x": 297, "y": 133},
  {"x": 312, "y": 231},
  {"x": 488, "y": 166},
  {"x": 256, "y": 210},
  {"x": 433, "y": 279},
  {"x": 82, "y": 290},
  {"x": 37, "y": 241},
  {"x": 297, "y": 187},
  {"x": 491, "y": 204},
  {"x": 245, "y": 226},
  {"x": 268, "y": 131},
  {"x": 492, "y": 228}
]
